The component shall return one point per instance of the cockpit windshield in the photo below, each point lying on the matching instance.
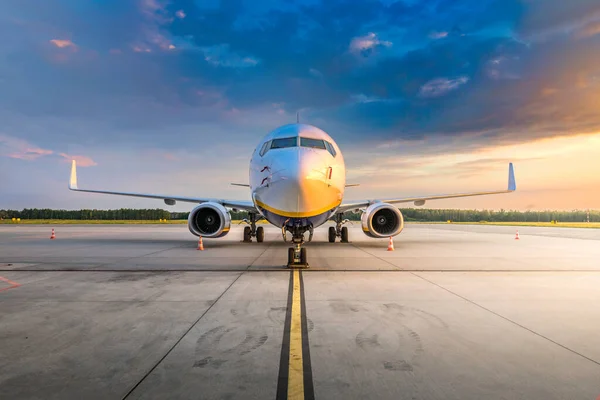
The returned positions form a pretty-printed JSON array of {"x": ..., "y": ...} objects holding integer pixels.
[
  {"x": 296, "y": 141},
  {"x": 284, "y": 142},
  {"x": 313, "y": 143}
]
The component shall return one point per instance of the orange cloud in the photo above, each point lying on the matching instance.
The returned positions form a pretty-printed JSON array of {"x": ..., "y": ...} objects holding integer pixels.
[
  {"x": 82, "y": 161},
  {"x": 20, "y": 149},
  {"x": 560, "y": 172},
  {"x": 549, "y": 91},
  {"x": 63, "y": 43},
  {"x": 591, "y": 29},
  {"x": 30, "y": 153}
]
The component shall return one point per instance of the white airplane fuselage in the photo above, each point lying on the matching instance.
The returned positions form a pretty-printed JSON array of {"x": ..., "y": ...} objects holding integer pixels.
[{"x": 297, "y": 176}]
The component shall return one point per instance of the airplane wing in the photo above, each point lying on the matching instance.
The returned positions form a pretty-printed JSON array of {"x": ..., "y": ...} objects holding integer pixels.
[
  {"x": 419, "y": 201},
  {"x": 170, "y": 200}
]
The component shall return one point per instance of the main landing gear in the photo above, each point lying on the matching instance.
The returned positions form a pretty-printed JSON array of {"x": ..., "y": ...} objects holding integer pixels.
[
  {"x": 338, "y": 230},
  {"x": 252, "y": 230}
]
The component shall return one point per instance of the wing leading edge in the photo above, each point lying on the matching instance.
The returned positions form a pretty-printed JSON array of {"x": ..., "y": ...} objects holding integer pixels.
[
  {"x": 419, "y": 201},
  {"x": 170, "y": 200}
]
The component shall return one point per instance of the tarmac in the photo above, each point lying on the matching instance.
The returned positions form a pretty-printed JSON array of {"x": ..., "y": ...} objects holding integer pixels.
[{"x": 455, "y": 312}]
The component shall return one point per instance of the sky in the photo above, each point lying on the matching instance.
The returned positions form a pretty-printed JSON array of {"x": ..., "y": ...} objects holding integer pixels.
[{"x": 423, "y": 97}]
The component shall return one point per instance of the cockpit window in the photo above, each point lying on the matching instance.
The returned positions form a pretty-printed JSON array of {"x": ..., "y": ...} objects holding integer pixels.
[
  {"x": 330, "y": 148},
  {"x": 314, "y": 143},
  {"x": 284, "y": 142},
  {"x": 264, "y": 148}
]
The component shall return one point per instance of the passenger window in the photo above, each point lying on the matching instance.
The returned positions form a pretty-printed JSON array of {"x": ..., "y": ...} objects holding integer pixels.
[
  {"x": 284, "y": 142},
  {"x": 313, "y": 143},
  {"x": 264, "y": 148},
  {"x": 330, "y": 149}
]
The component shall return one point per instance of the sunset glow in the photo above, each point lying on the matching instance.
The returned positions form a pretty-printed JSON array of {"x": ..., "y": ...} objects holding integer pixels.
[{"x": 423, "y": 98}]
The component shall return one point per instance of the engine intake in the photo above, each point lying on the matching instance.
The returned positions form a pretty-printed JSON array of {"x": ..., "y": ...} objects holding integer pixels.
[
  {"x": 210, "y": 220},
  {"x": 382, "y": 220}
]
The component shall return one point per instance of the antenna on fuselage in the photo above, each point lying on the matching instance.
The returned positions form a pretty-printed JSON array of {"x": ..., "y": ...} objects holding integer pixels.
[{"x": 297, "y": 117}]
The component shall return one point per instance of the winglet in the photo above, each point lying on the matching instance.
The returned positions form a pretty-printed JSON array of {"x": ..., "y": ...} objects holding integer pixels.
[
  {"x": 512, "y": 184},
  {"x": 73, "y": 181}
]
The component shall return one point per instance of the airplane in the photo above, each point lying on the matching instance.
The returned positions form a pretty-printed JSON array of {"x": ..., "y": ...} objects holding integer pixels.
[{"x": 297, "y": 180}]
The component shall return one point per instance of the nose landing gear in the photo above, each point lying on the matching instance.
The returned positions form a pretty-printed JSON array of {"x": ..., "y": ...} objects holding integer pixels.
[{"x": 297, "y": 255}]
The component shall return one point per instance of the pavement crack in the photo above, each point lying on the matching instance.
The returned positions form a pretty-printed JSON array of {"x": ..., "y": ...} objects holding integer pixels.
[
  {"x": 508, "y": 319},
  {"x": 259, "y": 256},
  {"x": 147, "y": 374}
]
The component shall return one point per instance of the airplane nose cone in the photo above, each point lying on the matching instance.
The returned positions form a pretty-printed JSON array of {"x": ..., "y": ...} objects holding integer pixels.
[
  {"x": 305, "y": 186},
  {"x": 299, "y": 185},
  {"x": 311, "y": 181}
]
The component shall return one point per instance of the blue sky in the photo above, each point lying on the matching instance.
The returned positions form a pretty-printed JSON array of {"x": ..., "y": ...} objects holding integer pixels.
[{"x": 422, "y": 96}]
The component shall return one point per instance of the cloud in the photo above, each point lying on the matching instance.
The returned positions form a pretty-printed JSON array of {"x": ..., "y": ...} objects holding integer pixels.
[
  {"x": 315, "y": 72},
  {"x": 253, "y": 55},
  {"x": 180, "y": 14},
  {"x": 362, "y": 44},
  {"x": 440, "y": 86},
  {"x": 140, "y": 49},
  {"x": 588, "y": 30},
  {"x": 63, "y": 43},
  {"x": 221, "y": 55},
  {"x": 155, "y": 9},
  {"x": 438, "y": 35},
  {"x": 82, "y": 161},
  {"x": 20, "y": 149}
]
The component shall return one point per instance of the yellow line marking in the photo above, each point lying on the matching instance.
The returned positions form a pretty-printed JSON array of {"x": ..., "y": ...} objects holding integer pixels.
[
  {"x": 296, "y": 368},
  {"x": 303, "y": 214}
]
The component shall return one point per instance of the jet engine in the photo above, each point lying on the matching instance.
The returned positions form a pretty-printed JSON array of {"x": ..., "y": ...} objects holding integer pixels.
[
  {"x": 209, "y": 220},
  {"x": 382, "y": 220}
]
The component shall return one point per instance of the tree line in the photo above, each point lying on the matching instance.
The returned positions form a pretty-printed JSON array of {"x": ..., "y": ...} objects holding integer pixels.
[{"x": 410, "y": 214}]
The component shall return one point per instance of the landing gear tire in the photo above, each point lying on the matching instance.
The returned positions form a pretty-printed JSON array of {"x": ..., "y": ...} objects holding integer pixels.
[
  {"x": 247, "y": 234},
  {"x": 331, "y": 234},
  {"x": 303, "y": 257},
  {"x": 260, "y": 234},
  {"x": 344, "y": 234},
  {"x": 291, "y": 256}
]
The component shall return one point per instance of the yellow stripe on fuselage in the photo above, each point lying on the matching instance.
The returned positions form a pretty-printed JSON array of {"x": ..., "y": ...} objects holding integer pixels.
[{"x": 302, "y": 214}]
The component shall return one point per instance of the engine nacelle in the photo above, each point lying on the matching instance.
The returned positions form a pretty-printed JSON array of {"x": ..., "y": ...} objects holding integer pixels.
[
  {"x": 209, "y": 220},
  {"x": 381, "y": 220}
]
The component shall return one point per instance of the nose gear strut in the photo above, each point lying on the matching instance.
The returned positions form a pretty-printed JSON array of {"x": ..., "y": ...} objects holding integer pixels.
[{"x": 297, "y": 257}]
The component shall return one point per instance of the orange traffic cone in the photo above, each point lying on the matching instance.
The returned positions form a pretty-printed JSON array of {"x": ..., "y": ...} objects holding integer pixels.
[
  {"x": 517, "y": 237},
  {"x": 53, "y": 236},
  {"x": 391, "y": 245},
  {"x": 200, "y": 244}
]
